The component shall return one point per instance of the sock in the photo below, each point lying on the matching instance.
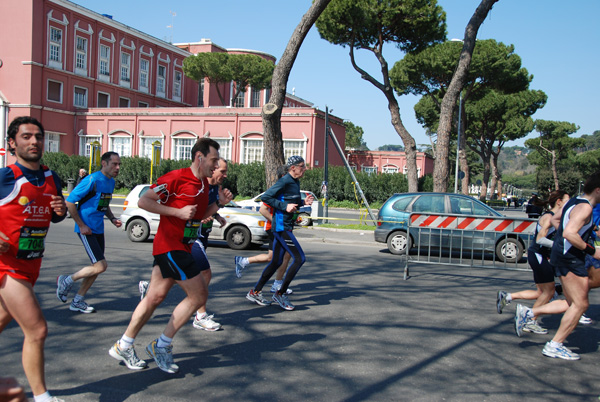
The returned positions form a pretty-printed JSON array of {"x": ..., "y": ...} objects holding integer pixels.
[
  {"x": 78, "y": 298},
  {"x": 69, "y": 281},
  {"x": 126, "y": 342},
  {"x": 277, "y": 284},
  {"x": 45, "y": 397},
  {"x": 244, "y": 262},
  {"x": 555, "y": 344},
  {"x": 529, "y": 313},
  {"x": 163, "y": 341},
  {"x": 200, "y": 316},
  {"x": 508, "y": 298}
]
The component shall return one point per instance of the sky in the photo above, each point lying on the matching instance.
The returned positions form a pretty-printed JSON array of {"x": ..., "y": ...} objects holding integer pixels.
[{"x": 556, "y": 40}]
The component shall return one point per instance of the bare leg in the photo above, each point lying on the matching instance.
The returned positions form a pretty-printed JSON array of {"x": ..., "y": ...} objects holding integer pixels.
[
  {"x": 196, "y": 292},
  {"x": 576, "y": 291},
  {"x": 206, "y": 276},
  {"x": 17, "y": 300},
  {"x": 89, "y": 275},
  {"x": 261, "y": 257}
]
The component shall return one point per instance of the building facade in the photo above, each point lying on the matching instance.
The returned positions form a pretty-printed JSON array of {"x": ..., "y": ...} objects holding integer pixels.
[
  {"x": 388, "y": 162},
  {"x": 90, "y": 78}
]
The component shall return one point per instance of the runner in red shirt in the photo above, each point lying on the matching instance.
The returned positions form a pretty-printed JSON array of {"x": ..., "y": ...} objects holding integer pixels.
[
  {"x": 30, "y": 198},
  {"x": 181, "y": 199}
]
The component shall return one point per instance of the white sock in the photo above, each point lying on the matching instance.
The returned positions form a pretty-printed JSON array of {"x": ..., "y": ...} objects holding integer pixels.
[
  {"x": 163, "y": 341},
  {"x": 244, "y": 262},
  {"x": 200, "y": 315},
  {"x": 45, "y": 397},
  {"x": 126, "y": 342},
  {"x": 529, "y": 313},
  {"x": 555, "y": 344},
  {"x": 508, "y": 298}
]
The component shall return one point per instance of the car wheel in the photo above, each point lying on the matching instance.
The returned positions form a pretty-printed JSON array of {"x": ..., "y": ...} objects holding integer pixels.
[
  {"x": 238, "y": 237},
  {"x": 509, "y": 250},
  {"x": 303, "y": 219},
  {"x": 138, "y": 230},
  {"x": 398, "y": 242}
]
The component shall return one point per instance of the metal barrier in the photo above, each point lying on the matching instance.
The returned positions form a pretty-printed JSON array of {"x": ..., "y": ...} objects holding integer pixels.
[{"x": 469, "y": 241}]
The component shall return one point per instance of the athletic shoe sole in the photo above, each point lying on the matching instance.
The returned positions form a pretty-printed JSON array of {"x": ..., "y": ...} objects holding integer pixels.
[
  {"x": 89, "y": 310},
  {"x": 113, "y": 353},
  {"x": 260, "y": 303},
  {"x": 553, "y": 354}
]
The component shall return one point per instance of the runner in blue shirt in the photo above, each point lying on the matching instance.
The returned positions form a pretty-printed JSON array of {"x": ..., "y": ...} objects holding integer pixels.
[{"x": 88, "y": 203}]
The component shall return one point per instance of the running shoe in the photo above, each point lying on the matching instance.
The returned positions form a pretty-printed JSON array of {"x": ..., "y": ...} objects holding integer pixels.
[
  {"x": 82, "y": 307},
  {"x": 55, "y": 399},
  {"x": 143, "y": 288},
  {"x": 162, "y": 356},
  {"x": 533, "y": 327},
  {"x": 62, "y": 289},
  {"x": 257, "y": 298},
  {"x": 283, "y": 301},
  {"x": 239, "y": 267},
  {"x": 501, "y": 301},
  {"x": 127, "y": 356},
  {"x": 206, "y": 323},
  {"x": 585, "y": 320},
  {"x": 277, "y": 286},
  {"x": 560, "y": 352},
  {"x": 520, "y": 319}
]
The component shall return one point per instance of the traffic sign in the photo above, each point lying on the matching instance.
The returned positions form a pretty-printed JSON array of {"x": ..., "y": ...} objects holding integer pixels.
[{"x": 2, "y": 151}]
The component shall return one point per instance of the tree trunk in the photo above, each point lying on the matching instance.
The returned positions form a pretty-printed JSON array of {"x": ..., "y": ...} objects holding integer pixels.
[
  {"x": 554, "y": 170},
  {"x": 271, "y": 113},
  {"x": 462, "y": 155},
  {"x": 485, "y": 181},
  {"x": 441, "y": 163},
  {"x": 410, "y": 145}
]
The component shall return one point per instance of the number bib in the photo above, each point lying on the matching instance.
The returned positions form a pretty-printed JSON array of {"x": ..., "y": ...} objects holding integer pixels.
[
  {"x": 104, "y": 202},
  {"x": 31, "y": 242},
  {"x": 190, "y": 232}
]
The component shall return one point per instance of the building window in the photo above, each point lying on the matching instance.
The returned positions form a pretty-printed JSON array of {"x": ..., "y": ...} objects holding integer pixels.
[
  {"x": 55, "y": 53},
  {"x": 55, "y": 91},
  {"x": 103, "y": 100},
  {"x": 183, "y": 148},
  {"x": 51, "y": 142},
  {"x": 123, "y": 102},
  {"x": 253, "y": 151},
  {"x": 369, "y": 170},
  {"x": 81, "y": 56},
  {"x": 177, "y": 85},
  {"x": 255, "y": 101},
  {"x": 143, "y": 104},
  {"x": 120, "y": 145},
  {"x": 144, "y": 71},
  {"x": 80, "y": 97},
  {"x": 85, "y": 144},
  {"x": 291, "y": 148},
  {"x": 239, "y": 99},
  {"x": 389, "y": 169},
  {"x": 201, "y": 93},
  {"x": 125, "y": 68},
  {"x": 104, "y": 69},
  {"x": 146, "y": 146},
  {"x": 224, "y": 147},
  {"x": 160, "y": 81}
]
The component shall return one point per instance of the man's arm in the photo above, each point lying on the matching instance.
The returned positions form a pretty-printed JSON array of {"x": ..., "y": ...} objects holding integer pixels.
[
  {"x": 149, "y": 202},
  {"x": 579, "y": 216},
  {"x": 264, "y": 211},
  {"x": 83, "y": 228},
  {"x": 109, "y": 214}
]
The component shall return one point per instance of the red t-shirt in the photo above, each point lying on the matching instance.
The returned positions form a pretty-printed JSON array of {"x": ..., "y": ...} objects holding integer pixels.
[{"x": 182, "y": 188}]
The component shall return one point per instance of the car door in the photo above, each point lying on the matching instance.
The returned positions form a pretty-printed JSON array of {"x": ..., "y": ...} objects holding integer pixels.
[{"x": 429, "y": 204}]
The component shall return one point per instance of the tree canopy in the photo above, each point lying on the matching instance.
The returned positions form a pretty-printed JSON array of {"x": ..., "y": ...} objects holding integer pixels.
[
  {"x": 354, "y": 136},
  {"x": 222, "y": 68}
]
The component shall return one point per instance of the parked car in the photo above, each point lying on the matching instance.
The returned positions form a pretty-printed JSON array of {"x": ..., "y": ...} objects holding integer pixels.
[
  {"x": 242, "y": 229},
  {"x": 394, "y": 216},
  {"x": 304, "y": 212}
]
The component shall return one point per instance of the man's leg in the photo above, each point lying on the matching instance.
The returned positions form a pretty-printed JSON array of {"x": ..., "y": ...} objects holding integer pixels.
[
  {"x": 576, "y": 291},
  {"x": 18, "y": 300},
  {"x": 196, "y": 294}
]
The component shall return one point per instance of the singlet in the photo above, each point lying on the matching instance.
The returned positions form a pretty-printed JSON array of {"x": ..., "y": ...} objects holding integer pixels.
[
  {"x": 93, "y": 209},
  {"x": 538, "y": 248},
  {"x": 181, "y": 188},
  {"x": 285, "y": 191},
  {"x": 562, "y": 247},
  {"x": 26, "y": 217}
]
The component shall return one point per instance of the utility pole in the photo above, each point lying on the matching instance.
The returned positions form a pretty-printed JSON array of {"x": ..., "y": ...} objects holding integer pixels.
[{"x": 326, "y": 170}]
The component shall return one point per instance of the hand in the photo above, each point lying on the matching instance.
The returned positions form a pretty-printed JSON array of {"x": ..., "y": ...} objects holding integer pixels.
[
  {"x": 221, "y": 220},
  {"x": 206, "y": 220},
  {"x": 116, "y": 222},
  {"x": 291, "y": 208},
  {"x": 85, "y": 230},
  {"x": 11, "y": 391},
  {"x": 4, "y": 245},
  {"x": 309, "y": 200},
  {"x": 224, "y": 195},
  {"x": 59, "y": 205},
  {"x": 187, "y": 212}
]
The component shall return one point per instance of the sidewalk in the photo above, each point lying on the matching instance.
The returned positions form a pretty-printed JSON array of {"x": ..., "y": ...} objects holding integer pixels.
[{"x": 337, "y": 236}]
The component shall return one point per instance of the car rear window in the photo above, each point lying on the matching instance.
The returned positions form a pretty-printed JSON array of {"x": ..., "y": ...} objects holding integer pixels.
[
  {"x": 143, "y": 191},
  {"x": 402, "y": 203}
]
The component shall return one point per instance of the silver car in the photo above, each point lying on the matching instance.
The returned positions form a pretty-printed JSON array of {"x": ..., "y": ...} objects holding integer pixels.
[{"x": 243, "y": 227}]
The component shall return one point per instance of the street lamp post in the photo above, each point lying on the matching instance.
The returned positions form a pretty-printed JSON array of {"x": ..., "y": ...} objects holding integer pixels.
[
  {"x": 326, "y": 167},
  {"x": 457, "y": 144}
]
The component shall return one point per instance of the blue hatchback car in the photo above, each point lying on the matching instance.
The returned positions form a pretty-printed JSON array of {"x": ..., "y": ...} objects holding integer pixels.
[{"x": 394, "y": 215}]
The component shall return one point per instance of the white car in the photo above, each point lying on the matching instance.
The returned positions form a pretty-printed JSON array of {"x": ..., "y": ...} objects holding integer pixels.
[
  {"x": 243, "y": 225},
  {"x": 304, "y": 212}
]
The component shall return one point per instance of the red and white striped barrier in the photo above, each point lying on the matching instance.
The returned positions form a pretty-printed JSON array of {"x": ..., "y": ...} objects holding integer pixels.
[{"x": 486, "y": 224}]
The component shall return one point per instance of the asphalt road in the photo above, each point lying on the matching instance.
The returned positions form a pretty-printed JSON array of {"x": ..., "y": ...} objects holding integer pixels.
[{"x": 359, "y": 332}]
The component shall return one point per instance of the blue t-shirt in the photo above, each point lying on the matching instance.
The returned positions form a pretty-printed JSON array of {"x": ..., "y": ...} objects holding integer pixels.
[{"x": 92, "y": 211}]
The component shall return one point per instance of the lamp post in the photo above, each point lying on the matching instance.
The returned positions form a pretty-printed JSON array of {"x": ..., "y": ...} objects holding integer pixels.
[
  {"x": 326, "y": 169},
  {"x": 457, "y": 145}
]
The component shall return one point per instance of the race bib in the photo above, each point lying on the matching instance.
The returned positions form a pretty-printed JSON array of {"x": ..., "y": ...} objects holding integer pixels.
[
  {"x": 31, "y": 242},
  {"x": 104, "y": 201},
  {"x": 191, "y": 231}
]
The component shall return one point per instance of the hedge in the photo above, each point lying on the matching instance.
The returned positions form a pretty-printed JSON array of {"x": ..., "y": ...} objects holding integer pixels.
[{"x": 247, "y": 180}]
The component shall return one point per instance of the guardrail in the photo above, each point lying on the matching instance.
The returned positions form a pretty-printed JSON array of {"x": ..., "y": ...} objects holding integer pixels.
[{"x": 468, "y": 241}]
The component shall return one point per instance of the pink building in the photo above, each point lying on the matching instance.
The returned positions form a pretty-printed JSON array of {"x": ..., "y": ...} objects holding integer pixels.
[
  {"x": 89, "y": 78},
  {"x": 387, "y": 162}
]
